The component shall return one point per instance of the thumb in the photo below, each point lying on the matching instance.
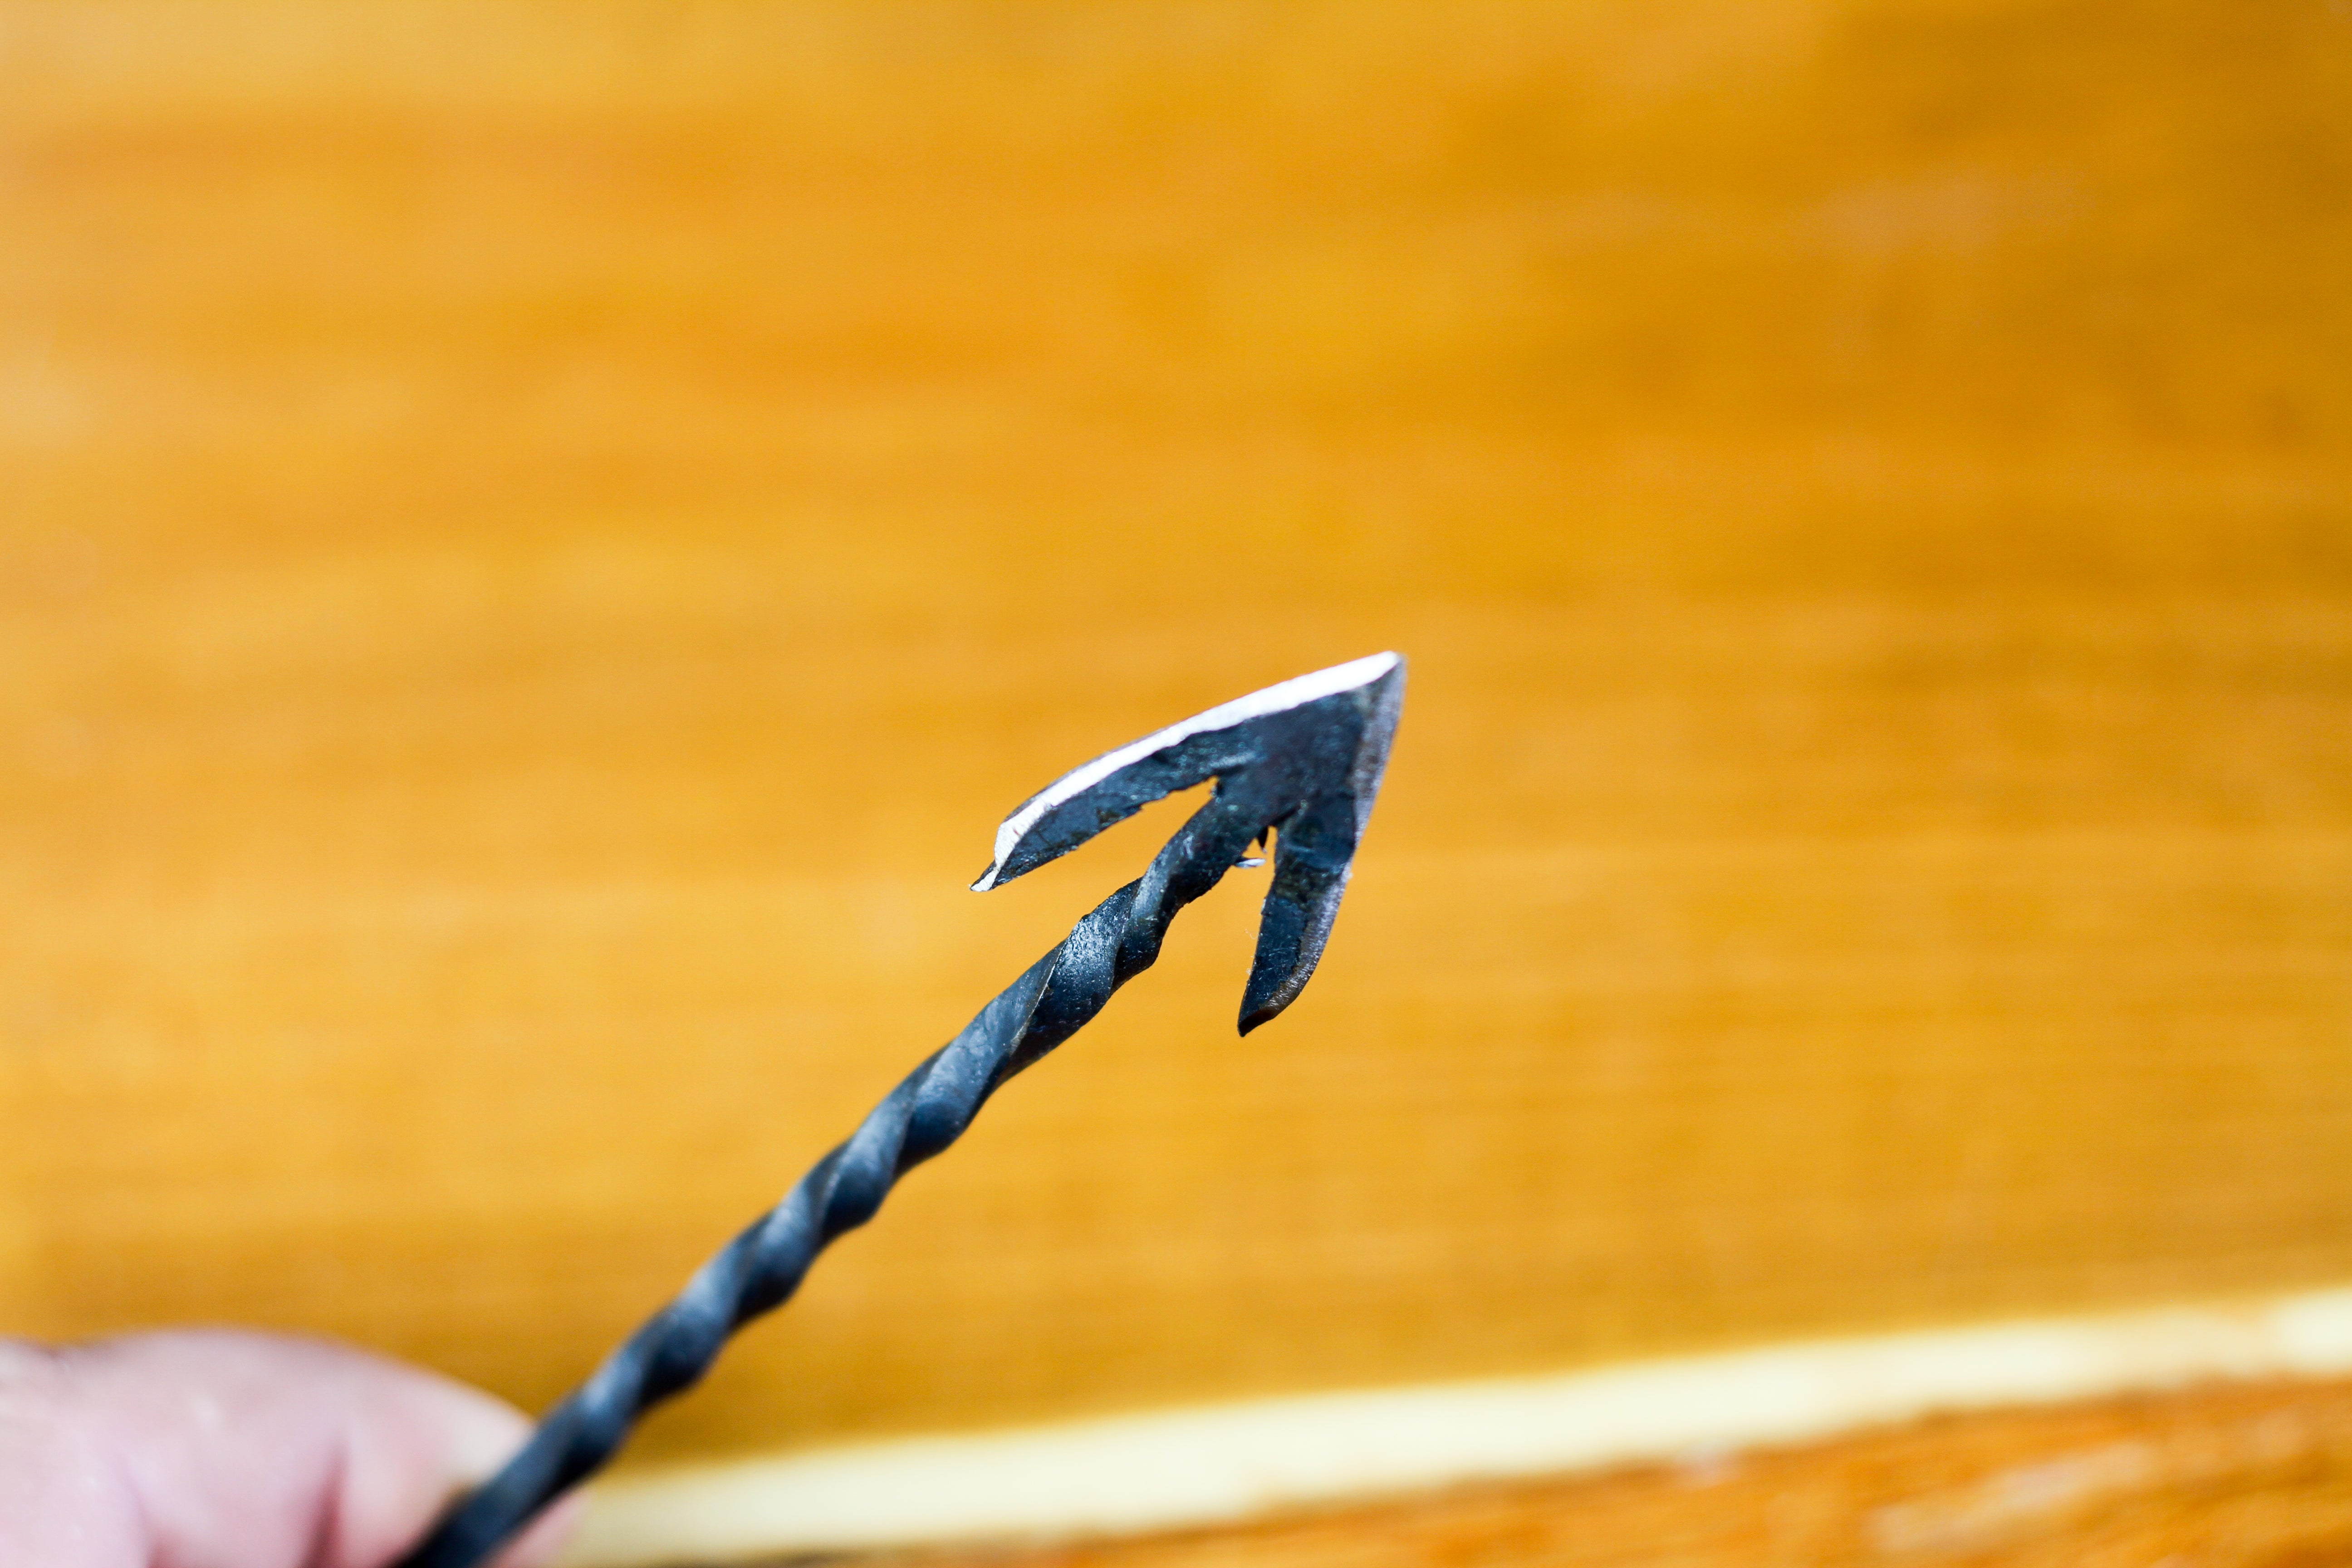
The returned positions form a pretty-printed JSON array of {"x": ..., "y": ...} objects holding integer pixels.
[{"x": 221, "y": 1450}]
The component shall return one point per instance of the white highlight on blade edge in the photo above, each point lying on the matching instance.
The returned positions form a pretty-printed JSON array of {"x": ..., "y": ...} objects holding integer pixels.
[
  {"x": 1187, "y": 1467},
  {"x": 1295, "y": 692}
]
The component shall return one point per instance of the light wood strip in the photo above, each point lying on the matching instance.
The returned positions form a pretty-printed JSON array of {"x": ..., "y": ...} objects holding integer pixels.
[{"x": 1159, "y": 1471}]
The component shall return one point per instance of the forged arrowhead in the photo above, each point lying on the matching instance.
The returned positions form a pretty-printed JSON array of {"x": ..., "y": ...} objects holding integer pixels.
[{"x": 1302, "y": 760}]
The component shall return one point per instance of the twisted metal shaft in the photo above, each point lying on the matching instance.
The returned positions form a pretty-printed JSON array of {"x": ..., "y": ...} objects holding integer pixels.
[{"x": 760, "y": 1268}]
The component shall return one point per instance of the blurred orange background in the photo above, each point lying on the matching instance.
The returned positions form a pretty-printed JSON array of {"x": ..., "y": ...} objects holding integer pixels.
[{"x": 537, "y": 542}]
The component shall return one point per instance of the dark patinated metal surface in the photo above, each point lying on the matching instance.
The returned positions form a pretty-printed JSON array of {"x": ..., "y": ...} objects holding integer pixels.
[{"x": 1301, "y": 760}]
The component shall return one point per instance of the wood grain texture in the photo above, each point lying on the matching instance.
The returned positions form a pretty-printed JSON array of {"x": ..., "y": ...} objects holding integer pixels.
[
  {"x": 536, "y": 543},
  {"x": 2216, "y": 1479}
]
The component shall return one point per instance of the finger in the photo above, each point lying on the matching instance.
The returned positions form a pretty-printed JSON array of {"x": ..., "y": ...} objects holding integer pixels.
[{"x": 238, "y": 1450}]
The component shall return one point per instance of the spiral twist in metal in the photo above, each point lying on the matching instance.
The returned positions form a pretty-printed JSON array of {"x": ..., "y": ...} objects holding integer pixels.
[{"x": 760, "y": 1268}]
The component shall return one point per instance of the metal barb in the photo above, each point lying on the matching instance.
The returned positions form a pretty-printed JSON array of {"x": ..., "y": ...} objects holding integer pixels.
[{"x": 1302, "y": 759}]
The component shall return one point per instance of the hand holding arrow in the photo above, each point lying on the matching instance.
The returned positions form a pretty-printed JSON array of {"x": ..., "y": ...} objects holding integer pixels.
[{"x": 1301, "y": 760}]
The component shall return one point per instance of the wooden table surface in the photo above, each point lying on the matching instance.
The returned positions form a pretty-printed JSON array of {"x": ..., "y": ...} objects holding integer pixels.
[
  {"x": 536, "y": 544},
  {"x": 2225, "y": 1477}
]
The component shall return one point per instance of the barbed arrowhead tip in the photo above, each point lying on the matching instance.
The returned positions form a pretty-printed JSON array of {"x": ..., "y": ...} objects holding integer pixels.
[{"x": 1302, "y": 760}]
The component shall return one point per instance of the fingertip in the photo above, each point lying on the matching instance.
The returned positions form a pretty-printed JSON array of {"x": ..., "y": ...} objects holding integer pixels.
[
  {"x": 538, "y": 1545},
  {"x": 419, "y": 1441},
  {"x": 269, "y": 1450}
]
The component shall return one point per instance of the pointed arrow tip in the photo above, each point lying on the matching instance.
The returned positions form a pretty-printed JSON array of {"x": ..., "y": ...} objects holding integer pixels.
[
  {"x": 1302, "y": 760},
  {"x": 1220, "y": 742}
]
